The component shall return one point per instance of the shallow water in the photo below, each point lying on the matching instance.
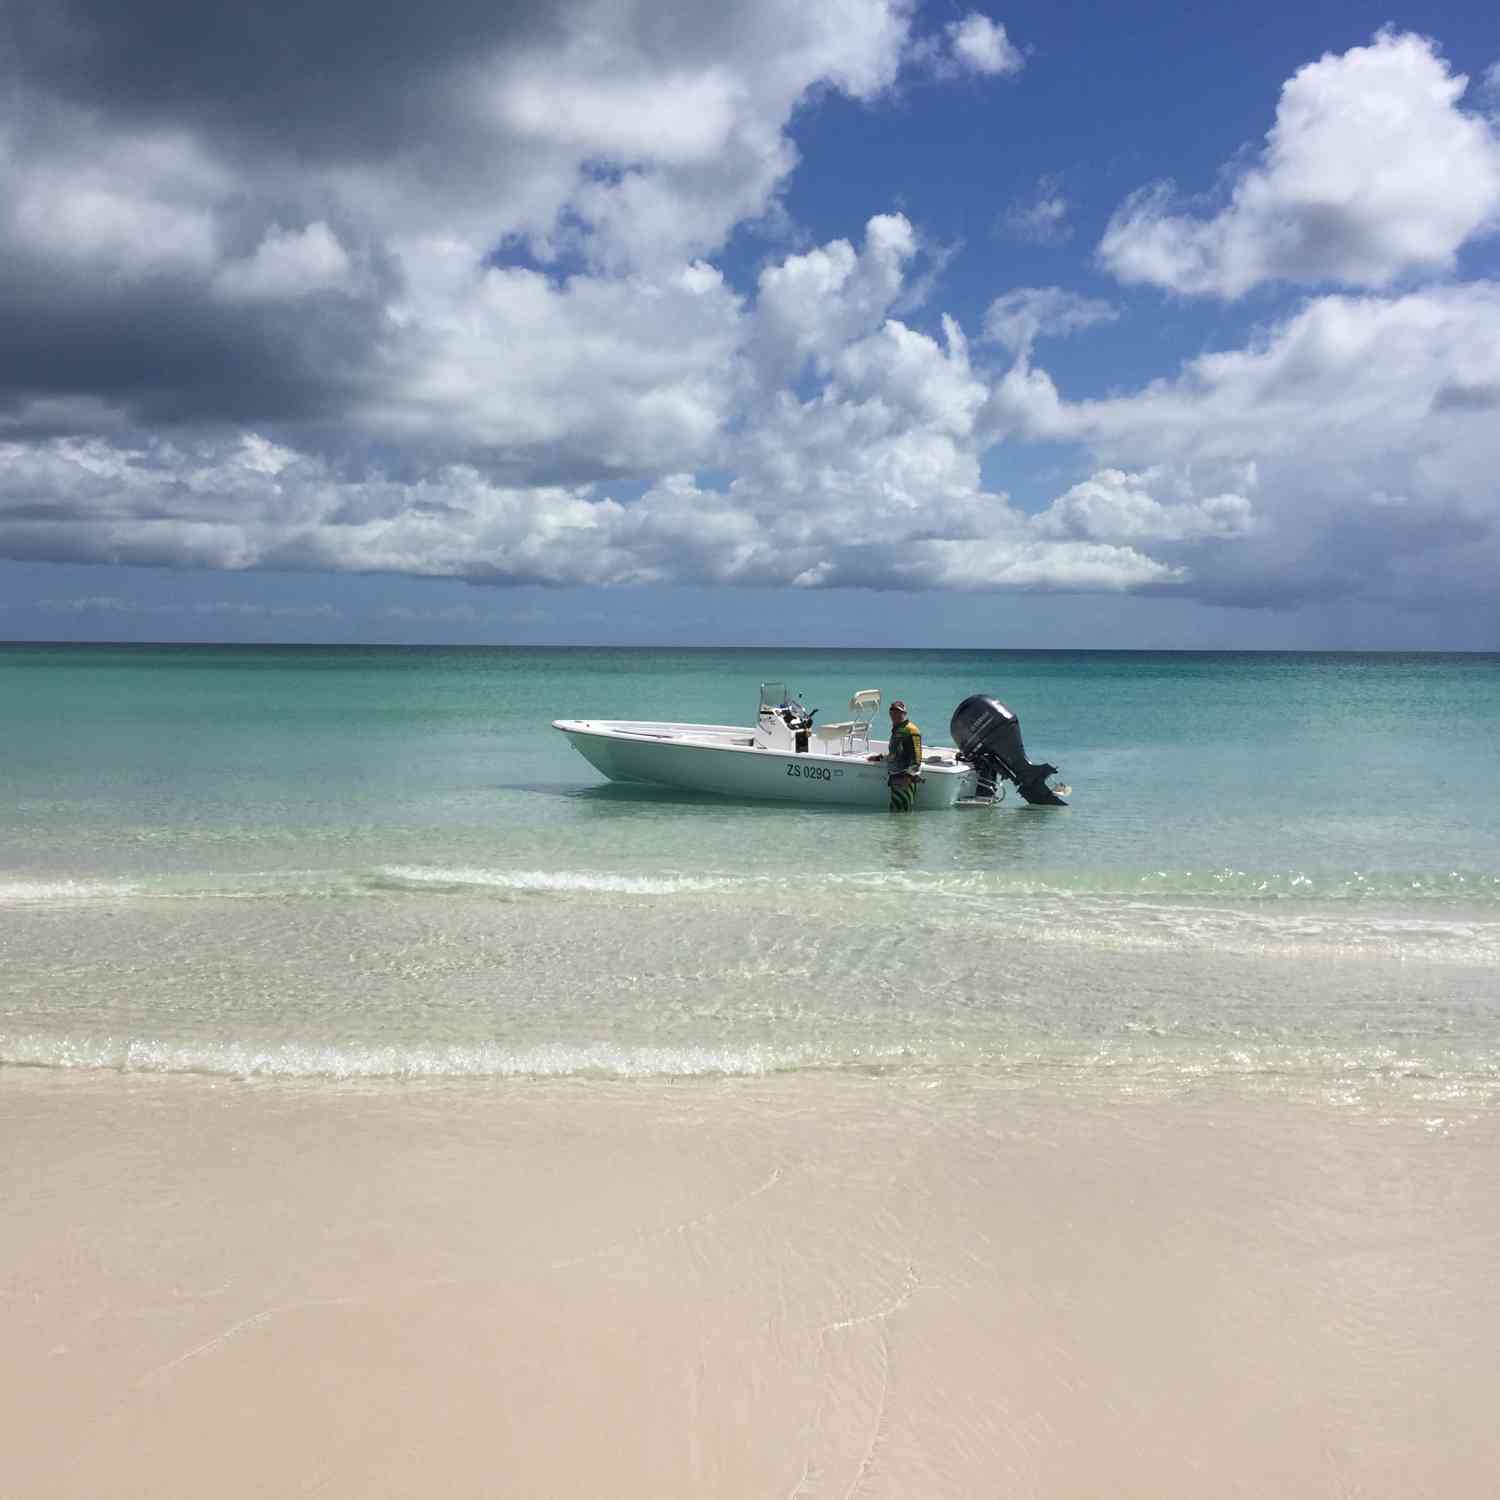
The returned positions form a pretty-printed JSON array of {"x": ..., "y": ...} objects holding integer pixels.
[{"x": 344, "y": 862}]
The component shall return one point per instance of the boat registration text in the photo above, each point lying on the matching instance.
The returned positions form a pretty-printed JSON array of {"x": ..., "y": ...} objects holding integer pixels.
[{"x": 811, "y": 773}]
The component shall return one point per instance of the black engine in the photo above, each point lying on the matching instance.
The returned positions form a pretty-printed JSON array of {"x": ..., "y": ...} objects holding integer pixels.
[{"x": 988, "y": 736}]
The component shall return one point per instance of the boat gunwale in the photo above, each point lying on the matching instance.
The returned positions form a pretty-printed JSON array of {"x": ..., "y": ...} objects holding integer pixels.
[{"x": 612, "y": 729}]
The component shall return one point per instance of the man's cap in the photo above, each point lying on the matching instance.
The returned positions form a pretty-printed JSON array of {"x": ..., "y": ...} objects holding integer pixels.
[{"x": 898, "y": 704}]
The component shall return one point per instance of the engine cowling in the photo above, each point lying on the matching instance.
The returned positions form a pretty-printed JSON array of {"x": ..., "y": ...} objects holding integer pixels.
[{"x": 988, "y": 736}]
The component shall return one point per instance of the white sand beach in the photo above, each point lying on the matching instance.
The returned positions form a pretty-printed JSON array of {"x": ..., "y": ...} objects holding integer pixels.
[{"x": 816, "y": 1285}]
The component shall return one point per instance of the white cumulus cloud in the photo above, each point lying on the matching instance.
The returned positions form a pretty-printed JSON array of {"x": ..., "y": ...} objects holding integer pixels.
[
  {"x": 981, "y": 44},
  {"x": 811, "y": 305},
  {"x": 1365, "y": 429},
  {"x": 1372, "y": 170},
  {"x": 973, "y": 44},
  {"x": 1115, "y": 506}
]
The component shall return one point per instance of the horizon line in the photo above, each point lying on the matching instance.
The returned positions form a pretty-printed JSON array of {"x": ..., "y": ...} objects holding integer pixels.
[{"x": 669, "y": 646}]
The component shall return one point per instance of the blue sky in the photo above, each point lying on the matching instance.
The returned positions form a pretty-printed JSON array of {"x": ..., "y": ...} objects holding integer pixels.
[{"x": 845, "y": 323}]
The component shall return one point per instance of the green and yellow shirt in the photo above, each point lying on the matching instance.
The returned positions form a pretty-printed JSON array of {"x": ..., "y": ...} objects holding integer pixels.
[{"x": 904, "y": 755}]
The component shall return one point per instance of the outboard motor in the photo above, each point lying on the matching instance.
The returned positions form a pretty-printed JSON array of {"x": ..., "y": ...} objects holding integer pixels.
[{"x": 988, "y": 736}]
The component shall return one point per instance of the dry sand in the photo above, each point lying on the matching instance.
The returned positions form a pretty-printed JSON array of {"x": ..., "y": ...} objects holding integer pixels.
[{"x": 800, "y": 1286}]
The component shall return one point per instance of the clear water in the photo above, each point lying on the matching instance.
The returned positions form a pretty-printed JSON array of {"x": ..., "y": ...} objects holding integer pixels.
[{"x": 383, "y": 861}]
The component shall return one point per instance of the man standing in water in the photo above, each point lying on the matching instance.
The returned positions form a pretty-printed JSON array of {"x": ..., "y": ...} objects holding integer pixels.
[{"x": 905, "y": 756}]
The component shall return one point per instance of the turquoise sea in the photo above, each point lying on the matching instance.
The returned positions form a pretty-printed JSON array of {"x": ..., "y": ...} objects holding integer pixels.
[{"x": 345, "y": 862}]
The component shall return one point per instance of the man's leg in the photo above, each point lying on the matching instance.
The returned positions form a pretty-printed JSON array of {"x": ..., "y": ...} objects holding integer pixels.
[{"x": 903, "y": 794}]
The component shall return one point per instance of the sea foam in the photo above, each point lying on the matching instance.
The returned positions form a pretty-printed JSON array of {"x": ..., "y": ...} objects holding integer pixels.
[
  {"x": 566, "y": 881},
  {"x": 29, "y": 892}
]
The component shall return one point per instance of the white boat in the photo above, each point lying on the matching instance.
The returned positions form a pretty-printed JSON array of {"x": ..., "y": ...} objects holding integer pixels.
[{"x": 785, "y": 757}]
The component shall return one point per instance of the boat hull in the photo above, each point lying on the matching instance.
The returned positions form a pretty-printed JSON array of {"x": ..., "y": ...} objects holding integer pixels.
[{"x": 745, "y": 772}]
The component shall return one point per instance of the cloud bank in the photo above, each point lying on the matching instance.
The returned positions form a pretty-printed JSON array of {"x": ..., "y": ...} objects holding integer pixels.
[{"x": 445, "y": 295}]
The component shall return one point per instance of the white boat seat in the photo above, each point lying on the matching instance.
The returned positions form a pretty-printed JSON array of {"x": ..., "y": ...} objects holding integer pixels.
[
  {"x": 828, "y": 733},
  {"x": 851, "y": 732}
]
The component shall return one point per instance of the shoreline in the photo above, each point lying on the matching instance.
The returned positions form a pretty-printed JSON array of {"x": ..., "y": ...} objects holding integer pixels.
[{"x": 795, "y": 1285}]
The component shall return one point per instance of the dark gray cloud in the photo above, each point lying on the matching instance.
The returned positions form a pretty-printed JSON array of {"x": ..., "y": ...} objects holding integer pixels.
[
  {"x": 119, "y": 251},
  {"x": 214, "y": 213},
  {"x": 339, "y": 80},
  {"x": 169, "y": 356}
]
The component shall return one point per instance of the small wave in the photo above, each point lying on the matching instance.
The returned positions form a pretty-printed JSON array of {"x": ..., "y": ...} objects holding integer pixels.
[
  {"x": 1247, "y": 931},
  {"x": 401, "y": 877},
  {"x": 1340, "y": 1073},
  {"x": 231, "y": 1059},
  {"x": 1349, "y": 885},
  {"x": 1278, "y": 886},
  {"x": 1263, "y": 890},
  {"x": 36, "y": 892}
]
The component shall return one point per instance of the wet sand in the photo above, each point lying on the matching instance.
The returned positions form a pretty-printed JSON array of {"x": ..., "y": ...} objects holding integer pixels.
[{"x": 813, "y": 1285}]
